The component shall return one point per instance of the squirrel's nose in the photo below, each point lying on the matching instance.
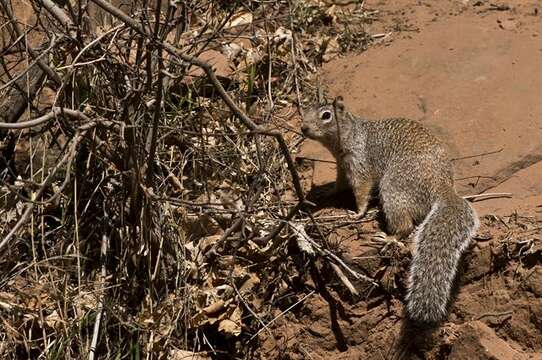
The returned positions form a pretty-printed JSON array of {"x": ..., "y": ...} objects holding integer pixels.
[{"x": 304, "y": 129}]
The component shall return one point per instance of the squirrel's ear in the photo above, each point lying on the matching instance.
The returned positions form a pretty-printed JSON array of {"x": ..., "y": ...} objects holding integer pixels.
[
  {"x": 338, "y": 103},
  {"x": 320, "y": 95}
]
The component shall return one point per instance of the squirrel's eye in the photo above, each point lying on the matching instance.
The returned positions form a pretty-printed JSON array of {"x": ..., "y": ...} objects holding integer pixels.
[{"x": 325, "y": 116}]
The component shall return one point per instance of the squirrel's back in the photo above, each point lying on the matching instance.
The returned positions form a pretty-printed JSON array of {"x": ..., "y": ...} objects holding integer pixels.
[{"x": 404, "y": 159}]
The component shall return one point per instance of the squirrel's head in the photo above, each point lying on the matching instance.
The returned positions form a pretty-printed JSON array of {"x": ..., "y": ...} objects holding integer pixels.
[{"x": 322, "y": 122}]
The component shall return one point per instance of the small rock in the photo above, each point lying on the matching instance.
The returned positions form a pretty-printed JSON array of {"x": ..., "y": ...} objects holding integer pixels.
[
  {"x": 508, "y": 24},
  {"x": 534, "y": 281},
  {"x": 476, "y": 340},
  {"x": 479, "y": 264}
]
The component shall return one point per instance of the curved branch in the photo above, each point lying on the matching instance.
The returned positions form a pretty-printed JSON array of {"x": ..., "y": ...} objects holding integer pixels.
[{"x": 45, "y": 118}]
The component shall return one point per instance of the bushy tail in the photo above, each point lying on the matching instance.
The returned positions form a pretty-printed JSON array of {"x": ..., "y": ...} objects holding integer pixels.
[{"x": 439, "y": 242}]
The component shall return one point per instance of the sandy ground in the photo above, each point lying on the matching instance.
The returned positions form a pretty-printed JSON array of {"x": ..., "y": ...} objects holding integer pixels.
[{"x": 471, "y": 71}]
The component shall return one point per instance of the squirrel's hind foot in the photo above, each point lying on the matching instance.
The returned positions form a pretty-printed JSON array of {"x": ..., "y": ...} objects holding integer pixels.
[{"x": 388, "y": 242}]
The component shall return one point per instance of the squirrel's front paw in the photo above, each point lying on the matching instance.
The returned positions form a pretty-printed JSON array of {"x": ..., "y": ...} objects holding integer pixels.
[{"x": 357, "y": 215}]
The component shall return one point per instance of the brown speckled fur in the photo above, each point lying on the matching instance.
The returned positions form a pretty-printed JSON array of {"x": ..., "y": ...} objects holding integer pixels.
[{"x": 413, "y": 175}]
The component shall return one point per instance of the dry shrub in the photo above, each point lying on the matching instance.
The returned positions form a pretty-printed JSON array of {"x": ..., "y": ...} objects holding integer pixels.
[{"x": 136, "y": 206}]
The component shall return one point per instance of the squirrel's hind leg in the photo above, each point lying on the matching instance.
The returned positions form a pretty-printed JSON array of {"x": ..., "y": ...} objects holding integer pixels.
[
  {"x": 399, "y": 221},
  {"x": 398, "y": 206}
]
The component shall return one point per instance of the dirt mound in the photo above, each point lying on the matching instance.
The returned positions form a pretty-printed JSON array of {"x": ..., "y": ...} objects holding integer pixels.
[{"x": 497, "y": 313}]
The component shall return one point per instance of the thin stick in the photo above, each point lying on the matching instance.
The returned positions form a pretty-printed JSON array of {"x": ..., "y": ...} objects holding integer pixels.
[
  {"x": 488, "y": 196},
  {"x": 344, "y": 279},
  {"x": 266, "y": 327},
  {"x": 293, "y": 47},
  {"x": 30, "y": 206},
  {"x": 58, "y": 13},
  {"x": 482, "y": 154},
  {"x": 281, "y": 314},
  {"x": 99, "y": 310},
  {"x": 22, "y": 73},
  {"x": 509, "y": 312}
]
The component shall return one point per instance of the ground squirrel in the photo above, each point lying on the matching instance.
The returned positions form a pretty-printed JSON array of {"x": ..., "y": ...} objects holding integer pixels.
[{"x": 412, "y": 173}]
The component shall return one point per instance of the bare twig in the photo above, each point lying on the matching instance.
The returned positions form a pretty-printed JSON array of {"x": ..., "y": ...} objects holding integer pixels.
[
  {"x": 344, "y": 279},
  {"x": 493, "y": 314},
  {"x": 477, "y": 155},
  {"x": 282, "y": 314},
  {"x": 486, "y": 196},
  {"x": 57, "y": 12},
  {"x": 29, "y": 67},
  {"x": 15, "y": 102}
]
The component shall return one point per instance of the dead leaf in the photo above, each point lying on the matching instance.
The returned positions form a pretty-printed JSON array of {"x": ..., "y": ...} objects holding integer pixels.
[
  {"x": 282, "y": 36},
  {"x": 214, "y": 308},
  {"x": 84, "y": 302},
  {"x": 176, "y": 354},
  {"x": 249, "y": 284},
  {"x": 53, "y": 320},
  {"x": 331, "y": 49},
  {"x": 238, "y": 20},
  {"x": 229, "y": 327}
]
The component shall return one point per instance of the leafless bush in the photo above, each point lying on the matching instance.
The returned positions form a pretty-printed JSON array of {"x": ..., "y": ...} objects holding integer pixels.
[{"x": 138, "y": 198}]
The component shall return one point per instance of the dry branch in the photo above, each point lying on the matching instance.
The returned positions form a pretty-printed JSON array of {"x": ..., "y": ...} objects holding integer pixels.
[
  {"x": 57, "y": 12},
  {"x": 55, "y": 111}
]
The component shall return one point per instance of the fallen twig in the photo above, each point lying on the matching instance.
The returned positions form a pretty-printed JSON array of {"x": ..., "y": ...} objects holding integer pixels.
[
  {"x": 493, "y": 314},
  {"x": 477, "y": 155},
  {"x": 281, "y": 314},
  {"x": 335, "y": 258},
  {"x": 487, "y": 196}
]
